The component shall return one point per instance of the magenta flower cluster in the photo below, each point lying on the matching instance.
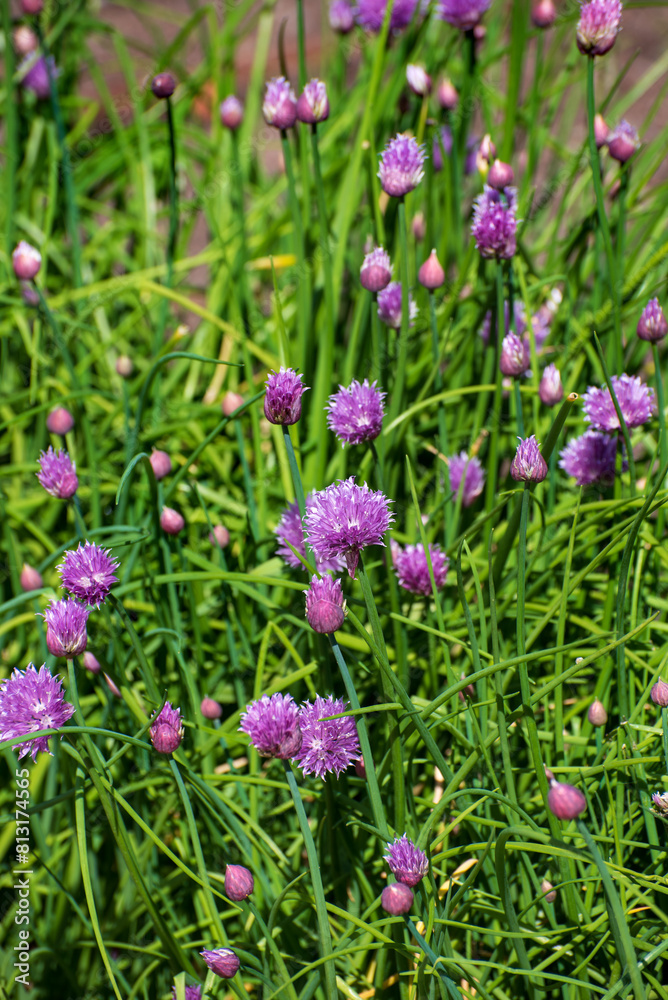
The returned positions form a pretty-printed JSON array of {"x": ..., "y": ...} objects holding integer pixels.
[
  {"x": 407, "y": 862},
  {"x": 356, "y": 413},
  {"x": 412, "y": 568},
  {"x": 344, "y": 519},
  {"x": 88, "y": 573},
  {"x": 31, "y": 700},
  {"x": 494, "y": 227},
  {"x": 466, "y": 474},
  {"x": 291, "y": 530},
  {"x": 401, "y": 165}
]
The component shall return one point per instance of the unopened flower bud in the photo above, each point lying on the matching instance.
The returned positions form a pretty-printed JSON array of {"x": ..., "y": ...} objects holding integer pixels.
[
  {"x": 652, "y": 324},
  {"x": 163, "y": 85},
  {"x": 623, "y": 142},
  {"x": 543, "y": 14},
  {"x": 376, "y": 270},
  {"x": 231, "y": 402},
  {"x": 26, "y": 261},
  {"x": 418, "y": 79},
  {"x": 325, "y": 606},
  {"x": 485, "y": 155},
  {"x": 659, "y": 694},
  {"x": 500, "y": 175},
  {"x": 601, "y": 131},
  {"x": 549, "y": 890},
  {"x": 167, "y": 729},
  {"x": 210, "y": 709},
  {"x": 447, "y": 96},
  {"x": 341, "y": 17},
  {"x": 219, "y": 536},
  {"x": 418, "y": 226},
  {"x": 431, "y": 275},
  {"x": 30, "y": 578},
  {"x": 91, "y": 662},
  {"x": 550, "y": 390},
  {"x": 32, "y": 6},
  {"x": 238, "y": 883},
  {"x": 124, "y": 366},
  {"x": 161, "y": 463},
  {"x": 360, "y": 769},
  {"x": 283, "y": 399},
  {"x": 280, "y": 104},
  {"x": 222, "y": 961},
  {"x": 171, "y": 521},
  {"x": 597, "y": 714},
  {"x": 112, "y": 686},
  {"x": 60, "y": 421},
  {"x": 396, "y": 898},
  {"x": 528, "y": 466},
  {"x": 231, "y": 112},
  {"x": 313, "y": 103},
  {"x": 565, "y": 801},
  {"x": 515, "y": 357},
  {"x": 25, "y": 40}
]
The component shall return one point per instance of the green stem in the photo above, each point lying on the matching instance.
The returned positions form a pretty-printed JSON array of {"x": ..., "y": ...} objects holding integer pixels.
[
  {"x": 302, "y": 282},
  {"x": 620, "y": 417},
  {"x": 11, "y": 134},
  {"x": 663, "y": 444},
  {"x": 331, "y": 990},
  {"x": 490, "y": 493},
  {"x": 402, "y": 359},
  {"x": 301, "y": 45},
  {"x": 294, "y": 471},
  {"x": 664, "y": 726},
  {"x": 518, "y": 407}
]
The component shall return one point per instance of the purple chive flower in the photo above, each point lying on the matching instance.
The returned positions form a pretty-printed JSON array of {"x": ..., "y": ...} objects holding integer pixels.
[
  {"x": 223, "y": 961},
  {"x": 313, "y": 103},
  {"x": 283, "y": 401},
  {"x": 326, "y": 746},
  {"x": 272, "y": 723},
  {"x": 344, "y": 519},
  {"x": 462, "y": 14},
  {"x": 623, "y": 142},
  {"x": 231, "y": 112},
  {"x": 410, "y": 565},
  {"x": 389, "y": 306},
  {"x": 26, "y": 261},
  {"x": 396, "y": 899},
  {"x": 635, "y": 399},
  {"x": 494, "y": 226},
  {"x": 652, "y": 324},
  {"x": 325, "y": 606},
  {"x": 192, "y": 993},
  {"x": 442, "y": 137},
  {"x": 376, "y": 270},
  {"x": 280, "y": 104},
  {"x": 659, "y": 694},
  {"x": 401, "y": 165},
  {"x": 370, "y": 14},
  {"x": 341, "y": 17},
  {"x": 590, "y": 458},
  {"x": 88, "y": 573},
  {"x": 565, "y": 801},
  {"x": 290, "y": 529},
  {"x": 57, "y": 473},
  {"x": 31, "y": 700},
  {"x": 408, "y": 863},
  {"x": 356, "y": 413},
  {"x": 598, "y": 26},
  {"x": 528, "y": 466},
  {"x": 239, "y": 883},
  {"x": 660, "y": 800},
  {"x": 461, "y": 468},
  {"x": 66, "y": 628},
  {"x": 167, "y": 729},
  {"x": 515, "y": 357},
  {"x": 36, "y": 75},
  {"x": 550, "y": 390}
]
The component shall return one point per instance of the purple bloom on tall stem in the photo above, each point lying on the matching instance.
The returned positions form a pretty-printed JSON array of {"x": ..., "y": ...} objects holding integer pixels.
[
  {"x": 389, "y": 306},
  {"x": 412, "y": 570},
  {"x": 31, "y": 700},
  {"x": 344, "y": 519},
  {"x": 623, "y": 142},
  {"x": 356, "y": 413},
  {"x": 88, "y": 573},
  {"x": 598, "y": 26},
  {"x": 407, "y": 862},
  {"x": 461, "y": 467},
  {"x": 635, "y": 399},
  {"x": 313, "y": 103},
  {"x": 326, "y": 746},
  {"x": 341, "y": 17},
  {"x": 515, "y": 357},
  {"x": 590, "y": 458},
  {"x": 57, "y": 473},
  {"x": 280, "y": 104},
  {"x": 290, "y": 529},
  {"x": 652, "y": 324},
  {"x": 283, "y": 401},
  {"x": 376, "y": 270},
  {"x": 462, "y": 14},
  {"x": 325, "y": 606},
  {"x": 370, "y": 14},
  {"x": 223, "y": 961},
  {"x": 528, "y": 466},
  {"x": 36, "y": 75},
  {"x": 401, "y": 165},
  {"x": 167, "y": 729},
  {"x": 494, "y": 226},
  {"x": 550, "y": 390},
  {"x": 272, "y": 723},
  {"x": 66, "y": 628}
]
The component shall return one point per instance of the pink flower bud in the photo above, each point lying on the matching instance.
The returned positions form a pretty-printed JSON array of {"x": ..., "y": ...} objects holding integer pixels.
[
  {"x": 360, "y": 769},
  {"x": 112, "y": 687},
  {"x": 623, "y": 142},
  {"x": 418, "y": 227},
  {"x": 26, "y": 261},
  {"x": 167, "y": 729},
  {"x": 550, "y": 390},
  {"x": 30, "y": 578},
  {"x": 549, "y": 890},
  {"x": 91, "y": 662},
  {"x": 325, "y": 606},
  {"x": 32, "y": 6},
  {"x": 601, "y": 131},
  {"x": 210, "y": 709},
  {"x": 231, "y": 112},
  {"x": 124, "y": 366},
  {"x": 222, "y": 961},
  {"x": 418, "y": 79},
  {"x": 238, "y": 883},
  {"x": 597, "y": 714},
  {"x": 163, "y": 85},
  {"x": 161, "y": 463},
  {"x": 431, "y": 275},
  {"x": 231, "y": 402},
  {"x": 60, "y": 421},
  {"x": 396, "y": 898},
  {"x": 313, "y": 103},
  {"x": 652, "y": 325},
  {"x": 376, "y": 270},
  {"x": 501, "y": 175},
  {"x": 544, "y": 14},
  {"x": 448, "y": 97},
  {"x": 487, "y": 150},
  {"x": 565, "y": 801},
  {"x": 25, "y": 40},
  {"x": 171, "y": 521},
  {"x": 219, "y": 536},
  {"x": 659, "y": 694}
]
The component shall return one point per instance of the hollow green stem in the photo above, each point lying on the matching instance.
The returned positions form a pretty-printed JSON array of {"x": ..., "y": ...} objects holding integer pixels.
[
  {"x": 663, "y": 444},
  {"x": 324, "y": 932},
  {"x": 402, "y": 359},
  {"x": 302, "y": 277}
]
